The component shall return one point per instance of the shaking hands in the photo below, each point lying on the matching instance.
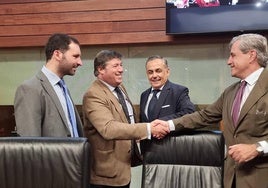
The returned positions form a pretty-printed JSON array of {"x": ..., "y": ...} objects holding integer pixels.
[{"x": 159, "y": 128}]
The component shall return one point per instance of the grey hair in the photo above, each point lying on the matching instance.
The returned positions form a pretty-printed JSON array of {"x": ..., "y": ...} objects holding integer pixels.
[
  {"x": 153, "y": 57},
  {"x": 255, "y": 42}
]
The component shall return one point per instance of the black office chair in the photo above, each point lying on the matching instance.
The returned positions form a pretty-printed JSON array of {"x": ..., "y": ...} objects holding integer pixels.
[
  {"x": 190, "y": 159},
  {"x": 40, "y": 162}
]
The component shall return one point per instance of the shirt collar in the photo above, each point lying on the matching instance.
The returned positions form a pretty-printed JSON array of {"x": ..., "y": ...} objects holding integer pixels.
[
  {"x": 111, "y": 88},
  {"x": 51, "y": 76},
  {"x": 253, "y": 77},
  {"x": 160, "y": 89}
]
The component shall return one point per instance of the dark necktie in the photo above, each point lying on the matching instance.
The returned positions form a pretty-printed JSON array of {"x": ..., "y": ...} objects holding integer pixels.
[
  {"x": 151, "y": 106},
  {"x": 70, "y": 107},
  {"x": 122, "y": 101},
  {"x": 135, "y": 154},
  {"x": 237, "y": 102}
]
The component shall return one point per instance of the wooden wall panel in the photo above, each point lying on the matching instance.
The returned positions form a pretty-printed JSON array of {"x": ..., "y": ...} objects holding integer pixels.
[
  {"x": 89, "y": 28},
  {"x": 78, "y": 5},
  {"x": 25, "y": 1},
  {"x": 93, "y": 22},
  {"x": 83, "y": 17}
]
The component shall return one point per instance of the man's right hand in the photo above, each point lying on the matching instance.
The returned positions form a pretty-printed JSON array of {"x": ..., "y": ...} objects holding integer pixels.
[{"x": 160, "y": 129}]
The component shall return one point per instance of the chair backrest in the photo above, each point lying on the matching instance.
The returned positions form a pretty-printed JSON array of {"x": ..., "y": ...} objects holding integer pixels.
[
  {"x": 41, "y": 162},
  {"x": 191, "y": 159}
]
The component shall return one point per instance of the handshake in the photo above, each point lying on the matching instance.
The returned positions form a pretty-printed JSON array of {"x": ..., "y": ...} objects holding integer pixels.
[{"x": 159, "y": 128}]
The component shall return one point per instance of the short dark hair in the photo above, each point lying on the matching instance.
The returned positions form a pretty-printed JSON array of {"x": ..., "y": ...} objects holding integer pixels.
[
  {"x": 58, "y": 41},
  {"x": 104, "y": 56}
]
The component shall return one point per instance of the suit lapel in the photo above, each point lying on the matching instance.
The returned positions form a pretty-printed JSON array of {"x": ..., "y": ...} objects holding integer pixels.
[
  {"x": 230, "y": 104},
  {"x": 144, "y": 100},
  {"x": 110, "y": 94},
  {"x": 54, "y": 97},
  {"x": 125, "y": 92},
  {"x": 162, "y": 97},
  {"x": 113, "y": 99},
  {"x": 260, "y": 89}
]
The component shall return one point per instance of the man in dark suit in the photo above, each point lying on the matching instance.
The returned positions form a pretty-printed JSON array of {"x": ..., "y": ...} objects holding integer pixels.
[
  {"x": 172, "y": 99},
  {"x": 41, "y": 108},
  {"x": 245, "y": 129}
]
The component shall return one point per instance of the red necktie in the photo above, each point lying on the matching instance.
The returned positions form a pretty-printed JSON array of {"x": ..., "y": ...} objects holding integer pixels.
[{"x": 237, "y": 101}]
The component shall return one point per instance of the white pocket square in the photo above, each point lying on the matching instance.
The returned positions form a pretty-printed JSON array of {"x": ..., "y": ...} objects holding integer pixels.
[{"x": 165, "y": 106}]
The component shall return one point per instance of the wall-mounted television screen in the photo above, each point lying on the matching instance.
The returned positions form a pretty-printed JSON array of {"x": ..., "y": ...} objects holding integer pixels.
[{"x": 215, "y": 16}]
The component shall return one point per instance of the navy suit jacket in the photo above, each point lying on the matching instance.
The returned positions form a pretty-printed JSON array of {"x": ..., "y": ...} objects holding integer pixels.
[{"x": 173, "y": 102}]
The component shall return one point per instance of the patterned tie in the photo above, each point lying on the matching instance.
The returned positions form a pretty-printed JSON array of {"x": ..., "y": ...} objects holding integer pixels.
[
  {"x": 122, "y": 101},
  {"x": 151, "y": 106},
  {"x": 237, "y": 102},
  {"x": 70, "y": 108}
]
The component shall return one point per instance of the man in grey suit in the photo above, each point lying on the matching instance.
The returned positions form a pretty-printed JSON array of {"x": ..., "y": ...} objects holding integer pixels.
[
  {"x": 42, "y": 107},
  {"x": 246, "y": 137}
]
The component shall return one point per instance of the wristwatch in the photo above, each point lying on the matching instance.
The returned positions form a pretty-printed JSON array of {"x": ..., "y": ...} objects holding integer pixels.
[{"x": 259, "y": 149}]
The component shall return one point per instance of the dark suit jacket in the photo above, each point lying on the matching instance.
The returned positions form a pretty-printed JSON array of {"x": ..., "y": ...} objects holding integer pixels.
[
  {"x": 173, "y": 102},
  {"x": 251, "y": 128},
  {"x": 38, "y": 111},
  {"x": 109, "y": 134}
]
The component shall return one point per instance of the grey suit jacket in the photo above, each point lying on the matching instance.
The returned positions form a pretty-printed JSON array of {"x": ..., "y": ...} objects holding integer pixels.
[
  {"x": 252, "y": 127},
  {"x": 109, "y": 134},
  {"x": 38, "y": 111}
]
